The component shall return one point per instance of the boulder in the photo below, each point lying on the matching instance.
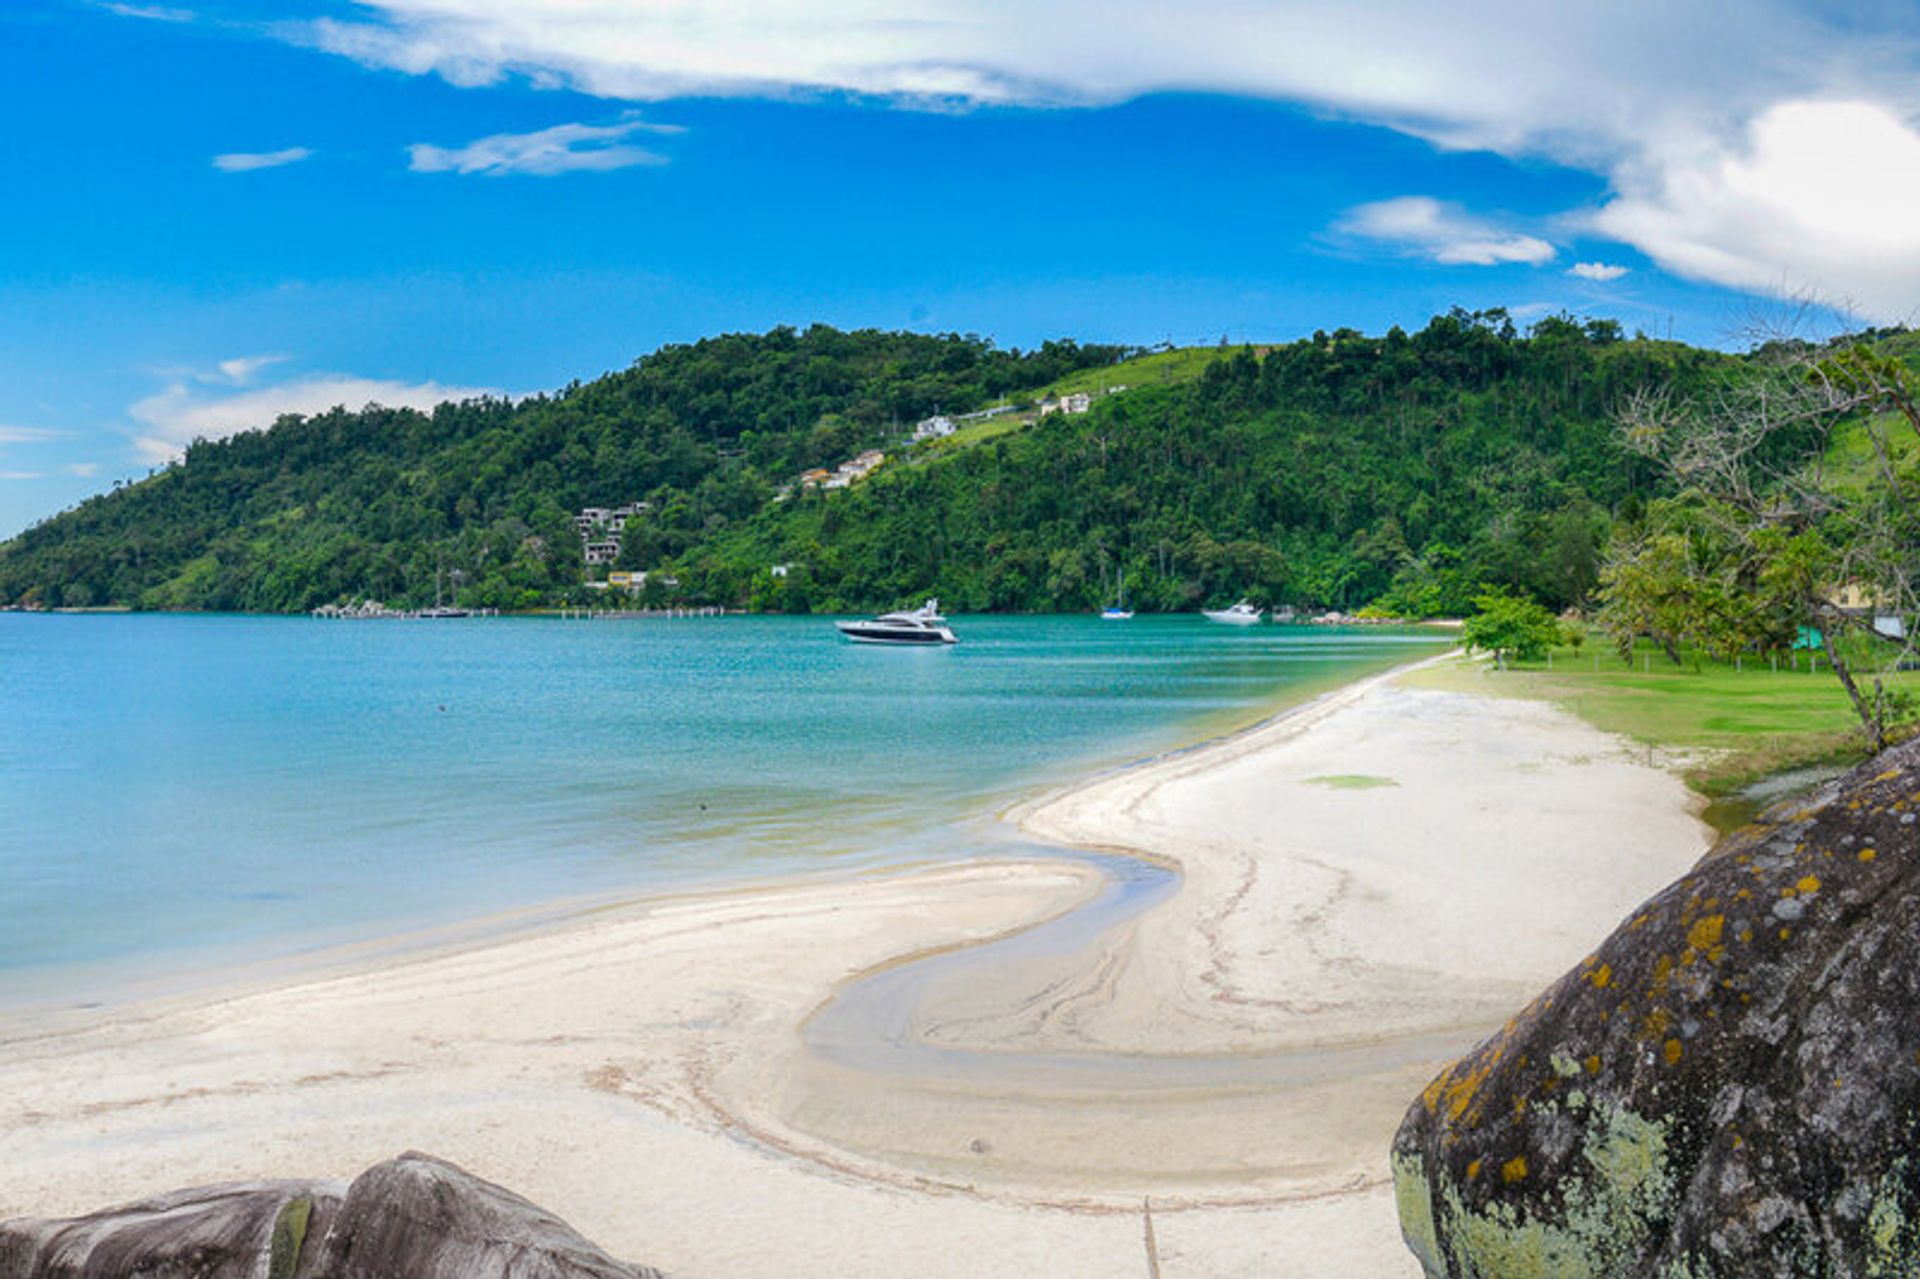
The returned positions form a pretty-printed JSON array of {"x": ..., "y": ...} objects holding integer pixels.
[
  {"x": 1727, "y": 1088},
  {"x": 415, "y": 1217},
  {"x": 210, "y": 1232}
]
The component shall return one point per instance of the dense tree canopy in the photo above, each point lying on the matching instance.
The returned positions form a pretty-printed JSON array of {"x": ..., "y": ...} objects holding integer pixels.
[{"x": 1337, "y": 470}]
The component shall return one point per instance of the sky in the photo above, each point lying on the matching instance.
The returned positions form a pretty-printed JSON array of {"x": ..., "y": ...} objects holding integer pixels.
[{"x": 212, "y": 213}]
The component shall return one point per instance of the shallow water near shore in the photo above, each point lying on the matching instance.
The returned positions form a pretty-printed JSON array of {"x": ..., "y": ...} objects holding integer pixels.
[{"x": 179, "y": 791}]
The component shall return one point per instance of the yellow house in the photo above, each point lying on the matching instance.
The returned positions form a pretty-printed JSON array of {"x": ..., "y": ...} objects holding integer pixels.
[
  {"x": 1855, "y": 597},
  {"x": 626, "y": 581}
]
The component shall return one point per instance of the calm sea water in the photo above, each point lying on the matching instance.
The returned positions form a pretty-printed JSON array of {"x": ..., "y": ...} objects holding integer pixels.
[{"x": 179, "y": 788}]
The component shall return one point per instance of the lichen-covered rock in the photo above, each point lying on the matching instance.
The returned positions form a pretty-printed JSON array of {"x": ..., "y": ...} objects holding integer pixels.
[
  {"x": 415, "y": 1217},
  {"x": 1729, "y": 1087}
]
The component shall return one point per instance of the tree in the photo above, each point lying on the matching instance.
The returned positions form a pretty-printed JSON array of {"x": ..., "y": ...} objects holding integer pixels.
[
  {"x": 1797, "y": 509},
  {"x": 1511, "y": 627}
]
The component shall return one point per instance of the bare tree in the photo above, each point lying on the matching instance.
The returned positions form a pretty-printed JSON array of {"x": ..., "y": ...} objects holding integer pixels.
[{"x": 1797, "y": 478}]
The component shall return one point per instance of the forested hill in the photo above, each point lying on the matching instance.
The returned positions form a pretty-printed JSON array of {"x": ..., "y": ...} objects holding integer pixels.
[
  {"x": 369, "y": 504},
  {"x": 1329, "y": 471}
]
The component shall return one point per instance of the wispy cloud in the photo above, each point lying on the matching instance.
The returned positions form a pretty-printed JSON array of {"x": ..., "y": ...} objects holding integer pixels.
[
  {"x": 27, "y": 434},
  {"x": 1445, "y": 233},
  {"x": 174, "y": 417},
  {"x": 1600, "y": 272},
  {"x": 21, "y": 475},
  {"x": 1701, "y": 127},
  {"x": 151, "y": 12},
  {"x": 248, "y": 161},
  {"x": 241, "y": 370},
  {"x": 566, "y": 148},
  {"x": 84, "y": 470}
]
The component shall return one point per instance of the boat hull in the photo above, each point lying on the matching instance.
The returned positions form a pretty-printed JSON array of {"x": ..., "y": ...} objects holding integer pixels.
[
  {"x": 1234, "y": 619},
  {"x": 859, "y": 634}
]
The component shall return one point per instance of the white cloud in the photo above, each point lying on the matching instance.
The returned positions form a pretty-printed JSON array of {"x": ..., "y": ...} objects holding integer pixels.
[
  {"x": 21, "y": 475},
  {"x": 178, "y": 415},
  {"x": 1818, "y": 197},
  {"x": 1425, "y": 227},
  {"x": 240, "y": 370},
  {"x": 1600, "y": 272},
  {"x": 151, "y": 12},
  {"x": 248, "y": 161},
  {"x": 1685, "y": 109},
  {"x": 82, "y": 469},
  {"x": 566, "y": 148},
  {"x": 27, "y": 434}
]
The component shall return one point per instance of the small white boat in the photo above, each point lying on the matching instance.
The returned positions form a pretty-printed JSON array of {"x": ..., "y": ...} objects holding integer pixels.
[
  {"x": 1118, "y": 610},
  {"x": 921, "y": 628},
  {"x": 1241, "y": 614}
]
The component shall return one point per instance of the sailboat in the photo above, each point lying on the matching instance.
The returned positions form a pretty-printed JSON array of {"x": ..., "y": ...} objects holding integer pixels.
[
  {"x": 1118, "y": 610},
  {"x": 439, "y": 609}
]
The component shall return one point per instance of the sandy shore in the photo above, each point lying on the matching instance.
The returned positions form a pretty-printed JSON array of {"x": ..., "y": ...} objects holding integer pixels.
[{"x": 835, "y": 1076}]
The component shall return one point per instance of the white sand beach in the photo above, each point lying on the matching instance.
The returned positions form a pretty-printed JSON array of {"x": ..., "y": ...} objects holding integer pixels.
[{"x": 1369, "y": 883}]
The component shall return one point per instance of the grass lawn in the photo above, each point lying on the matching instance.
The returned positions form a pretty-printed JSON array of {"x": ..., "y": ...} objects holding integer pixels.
[
  {"x": 1162, "y": 368},
  {"x": 1726, "y": 727}
]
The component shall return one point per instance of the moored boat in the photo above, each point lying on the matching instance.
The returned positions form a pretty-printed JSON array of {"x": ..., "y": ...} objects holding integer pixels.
[
  {"x": 1241, "y": 614},
  {"x": 921, "y": 628}
]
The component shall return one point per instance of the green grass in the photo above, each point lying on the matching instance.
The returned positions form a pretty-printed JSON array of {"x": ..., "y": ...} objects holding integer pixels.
[
  {"x": 1351, "y": 781},
  {"x": 1733, "y": 725},
  {"x": 976, "y": 433},
  {"x": 1851, "y": 461},
  {"x": 1162, "y": 368}
]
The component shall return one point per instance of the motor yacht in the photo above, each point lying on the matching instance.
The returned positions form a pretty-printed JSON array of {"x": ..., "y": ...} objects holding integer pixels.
[
  {"x": 921, "y": 627},
  {"x": 1241, "y": 614}
]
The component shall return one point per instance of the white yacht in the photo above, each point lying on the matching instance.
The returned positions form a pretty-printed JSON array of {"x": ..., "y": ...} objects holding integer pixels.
[
  {"x": 923, "y": 626},
  {"x": 1241, "y": 614}
]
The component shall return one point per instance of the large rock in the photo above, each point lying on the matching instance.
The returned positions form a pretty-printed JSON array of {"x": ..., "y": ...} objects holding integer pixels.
[
  {"x": 415, "y": 1217},
  {"x": 1728, "y": 1087}
]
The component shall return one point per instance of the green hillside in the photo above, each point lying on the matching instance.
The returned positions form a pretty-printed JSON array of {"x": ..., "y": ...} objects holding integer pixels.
[
  {"x": 370, "y": 503},
  {"x": 1329, "y": 471}
]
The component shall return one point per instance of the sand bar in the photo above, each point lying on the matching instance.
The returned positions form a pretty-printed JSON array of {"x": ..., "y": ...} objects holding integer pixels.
[{"x": 1364, "y": 886}]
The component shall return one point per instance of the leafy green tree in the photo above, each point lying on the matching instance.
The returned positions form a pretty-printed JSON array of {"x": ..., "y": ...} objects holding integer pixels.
[
  {"x": 1511, "y": 628},
  {"x": 1773, "y": 530}
]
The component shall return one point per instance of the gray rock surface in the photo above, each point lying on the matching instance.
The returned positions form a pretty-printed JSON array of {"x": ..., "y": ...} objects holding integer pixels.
[
  {"x": 415, "y": 1217},
  {"x": 1727, "y": 1088}
]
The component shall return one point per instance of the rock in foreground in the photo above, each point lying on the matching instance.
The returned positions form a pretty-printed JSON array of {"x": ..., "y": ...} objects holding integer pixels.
[
  {"x": 1729, "y": 1088},
  {"x": 415, "y": 1217}
]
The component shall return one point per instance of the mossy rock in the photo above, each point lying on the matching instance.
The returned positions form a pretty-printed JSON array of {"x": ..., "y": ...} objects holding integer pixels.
[{"x": 1727, "y": 1088}]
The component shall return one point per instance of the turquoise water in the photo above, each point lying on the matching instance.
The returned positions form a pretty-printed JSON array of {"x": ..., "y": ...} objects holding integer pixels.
[{"x": 179, "y": 787}]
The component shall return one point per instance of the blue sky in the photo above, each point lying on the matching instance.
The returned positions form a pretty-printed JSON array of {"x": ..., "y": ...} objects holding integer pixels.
[{"x": 216, "y": 212}]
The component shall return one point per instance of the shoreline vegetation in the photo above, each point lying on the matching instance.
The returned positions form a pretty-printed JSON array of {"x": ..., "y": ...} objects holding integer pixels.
[
  {"x": 1239, "y": 1051},
  {"x": 1734, "y": 731}
]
